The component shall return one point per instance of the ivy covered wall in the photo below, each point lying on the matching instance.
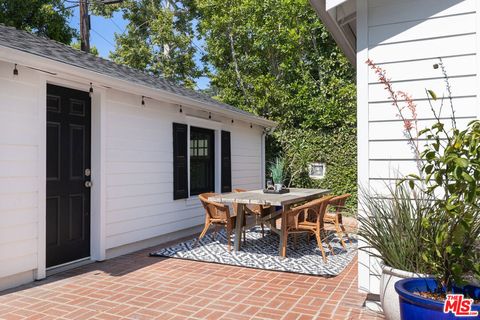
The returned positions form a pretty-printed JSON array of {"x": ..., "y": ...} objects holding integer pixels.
[{"x": 337, "y": 148}]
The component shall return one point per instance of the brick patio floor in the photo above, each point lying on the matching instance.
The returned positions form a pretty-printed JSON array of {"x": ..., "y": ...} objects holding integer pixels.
[{"x": 136, "y": 286}]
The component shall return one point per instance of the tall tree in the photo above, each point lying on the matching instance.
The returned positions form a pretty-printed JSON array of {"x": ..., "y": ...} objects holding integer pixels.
[
  {"x": 159, "y": 39},
  {"x": 43, "y": 17},
  {"x": 276, "y": 59}
]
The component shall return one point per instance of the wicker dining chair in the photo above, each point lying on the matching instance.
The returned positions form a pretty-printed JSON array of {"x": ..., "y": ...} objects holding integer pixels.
[
  {"x": 216, "y": 214},
  {"x": 334, "y": 215},
  {"x": 297, "y": 222},
  {"x": 256, "y": 211}
]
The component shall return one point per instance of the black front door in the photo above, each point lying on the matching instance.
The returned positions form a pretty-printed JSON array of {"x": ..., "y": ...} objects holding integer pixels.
[{"x": 68, "y": 175}]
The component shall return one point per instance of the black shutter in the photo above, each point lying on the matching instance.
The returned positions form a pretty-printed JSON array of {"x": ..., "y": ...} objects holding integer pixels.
[
  {"x": 180, "y": 168},
  {"x": 226, "y": 162}
]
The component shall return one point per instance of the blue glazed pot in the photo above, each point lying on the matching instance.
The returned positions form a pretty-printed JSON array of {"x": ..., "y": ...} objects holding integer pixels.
[{"x": 415, "y": 307}]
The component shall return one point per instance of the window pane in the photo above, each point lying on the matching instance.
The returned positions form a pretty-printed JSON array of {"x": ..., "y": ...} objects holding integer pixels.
[{"x": 201, "y": 160}]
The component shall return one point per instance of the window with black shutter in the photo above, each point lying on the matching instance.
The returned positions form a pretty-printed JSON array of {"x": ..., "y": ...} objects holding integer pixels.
[
  {"x": 180, "y": 158},
  {"x": 226, "y": 162}
]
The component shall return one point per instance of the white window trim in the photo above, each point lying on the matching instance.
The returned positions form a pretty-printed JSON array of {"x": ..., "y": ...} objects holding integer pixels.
[
  {"x": 217, "y": 127},
  {"x": 316, "y": 177}
]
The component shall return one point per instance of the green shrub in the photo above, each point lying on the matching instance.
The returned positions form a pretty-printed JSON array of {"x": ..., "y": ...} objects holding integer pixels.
[
  {"x": 393, "y": 225},
  {"x": 337, "y": 148},
  {"x": 451, "y": 175}
]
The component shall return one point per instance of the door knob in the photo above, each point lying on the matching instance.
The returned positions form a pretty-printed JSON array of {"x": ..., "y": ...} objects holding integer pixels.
[{"x": 88, "y": 184}]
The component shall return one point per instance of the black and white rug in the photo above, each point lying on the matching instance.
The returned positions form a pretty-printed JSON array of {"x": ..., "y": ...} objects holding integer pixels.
[{"x": 262, "y": 253}]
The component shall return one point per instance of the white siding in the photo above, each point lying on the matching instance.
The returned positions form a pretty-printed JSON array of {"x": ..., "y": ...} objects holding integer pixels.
[
  {"x": 19, "y": 170},
  {"x": 135, "y": 151},
  {"x": 406, "y": 38},
  {"x": 139, "y": 169}
]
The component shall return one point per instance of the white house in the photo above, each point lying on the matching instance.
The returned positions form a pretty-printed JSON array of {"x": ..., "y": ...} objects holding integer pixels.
[
  {"x": 97, "y": 159},
  {"x": 406, "y": 38}
]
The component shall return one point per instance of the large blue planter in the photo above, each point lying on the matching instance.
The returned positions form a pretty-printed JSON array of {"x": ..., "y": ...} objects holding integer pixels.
[{"x": 414, "y": 307}]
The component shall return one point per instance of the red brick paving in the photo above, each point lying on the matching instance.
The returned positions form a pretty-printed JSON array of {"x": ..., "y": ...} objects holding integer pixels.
[{"x": 136, "y": 286}]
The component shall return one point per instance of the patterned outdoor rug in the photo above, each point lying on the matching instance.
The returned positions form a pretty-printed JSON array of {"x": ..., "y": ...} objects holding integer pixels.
[{"x": 262, "y": 253}]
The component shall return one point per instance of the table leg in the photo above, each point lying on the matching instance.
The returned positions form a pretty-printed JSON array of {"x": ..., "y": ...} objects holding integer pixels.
[
  {"x": 240, "y": 209},
  {"x": 282, "y": 253}
]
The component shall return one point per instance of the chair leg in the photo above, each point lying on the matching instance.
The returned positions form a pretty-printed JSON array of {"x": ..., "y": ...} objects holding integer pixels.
[
  {"x": 214, "y": 232},
  {"x": 320, "y": 246},
  {"x": 202, "y": 234},
  {"x": 341, "y": 230},
  {"x": 345, "y": 232},
  {"x": 244, "y": 236},
  {"x": 263, "y": 230},
  {"x": 328, "y": 243},
  {"x": 295, "y": 240},
  {"x": 340, "y": 235}
]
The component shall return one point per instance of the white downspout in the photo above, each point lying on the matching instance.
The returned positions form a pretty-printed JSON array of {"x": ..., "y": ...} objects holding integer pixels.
[{"x": 263, "y": 182}]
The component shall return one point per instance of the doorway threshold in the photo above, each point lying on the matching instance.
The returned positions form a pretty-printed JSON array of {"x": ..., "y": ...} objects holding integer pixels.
[{"x": 68, "y": 266}]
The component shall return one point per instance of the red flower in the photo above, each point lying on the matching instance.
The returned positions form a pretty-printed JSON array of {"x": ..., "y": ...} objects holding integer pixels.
[{"x": 409, "y": 121}]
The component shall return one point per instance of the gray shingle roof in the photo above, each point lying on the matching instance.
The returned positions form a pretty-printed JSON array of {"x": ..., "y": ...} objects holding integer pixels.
[{"x": 53, "y": 50}]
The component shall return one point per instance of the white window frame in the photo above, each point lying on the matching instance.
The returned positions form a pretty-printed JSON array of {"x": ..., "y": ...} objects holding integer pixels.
[{"x": 217, "y": 127}]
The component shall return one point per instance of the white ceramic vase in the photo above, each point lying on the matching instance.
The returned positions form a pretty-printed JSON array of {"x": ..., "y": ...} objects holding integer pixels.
[{"x": 388, "y": 295}]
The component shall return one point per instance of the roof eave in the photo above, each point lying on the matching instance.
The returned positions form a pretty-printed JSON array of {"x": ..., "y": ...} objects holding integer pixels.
[
  {"x": 331, "y": 24},
  {"x": 49, "y": 65}
]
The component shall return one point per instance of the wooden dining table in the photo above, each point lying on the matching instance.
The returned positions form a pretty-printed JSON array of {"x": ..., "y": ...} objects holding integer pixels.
[{"x": 258, "y": 197}]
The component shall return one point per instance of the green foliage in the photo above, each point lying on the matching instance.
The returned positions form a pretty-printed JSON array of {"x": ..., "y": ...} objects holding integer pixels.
[
  {"x": 451, "y": 168},
  {"x": 77, "y": 45},
  {"x": 337, "y": 148},
  {"x": 159, "y": 39},
  {"x": 276, "y": 59},
  {"x": 277, "y": 171},
  {"x": 48, "y": 18},
  {"x": 273, "y": 58},
  {"x": 394, "y": 226}
]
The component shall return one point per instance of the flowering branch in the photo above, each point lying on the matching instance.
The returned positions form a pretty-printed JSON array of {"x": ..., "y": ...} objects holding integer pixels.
[{"x": 410, "y": 124}]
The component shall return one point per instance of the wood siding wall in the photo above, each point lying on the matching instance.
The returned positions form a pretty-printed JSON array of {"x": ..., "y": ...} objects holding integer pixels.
[
  {"x": 138, "y": 174},
  {"x": 139, "y": 168},
  {"x": 20, "y": 132},
  {"x": 406, "y": 38}
]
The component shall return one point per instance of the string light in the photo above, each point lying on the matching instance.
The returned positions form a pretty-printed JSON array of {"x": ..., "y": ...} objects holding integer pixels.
[
  {"x": 209, "y": 115},
  {"x": 181, "y": 110},
  {"x": 251, "y": 126},
  {"x": 15, "y": 70},
  {"x": 232, "y": 121},
  {"x": 90, "y": 92},
  {"x": 143, "y": 101}
]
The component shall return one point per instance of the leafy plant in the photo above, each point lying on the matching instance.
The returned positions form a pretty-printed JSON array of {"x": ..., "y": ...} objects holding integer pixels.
[
  {"x": 394, "y": 225},
  {"x": 452, "y": 178},
  {"x": 277, "y": 171},
  {"x": 159, "y": 39},
  {"x": 277, "y": 60},
  {"x": 449, "y": 175},
  {"x": 336, "y": 148},
  {"x": 49, "y": 18}
]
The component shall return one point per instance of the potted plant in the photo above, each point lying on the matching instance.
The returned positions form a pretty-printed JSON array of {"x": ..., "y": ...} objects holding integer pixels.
[
  {"x": 277, "y": 171},
  {"x": 448, "y": 221},
  {"x": 392, "y": 228},
  {"x": 451, "y": 177}
]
